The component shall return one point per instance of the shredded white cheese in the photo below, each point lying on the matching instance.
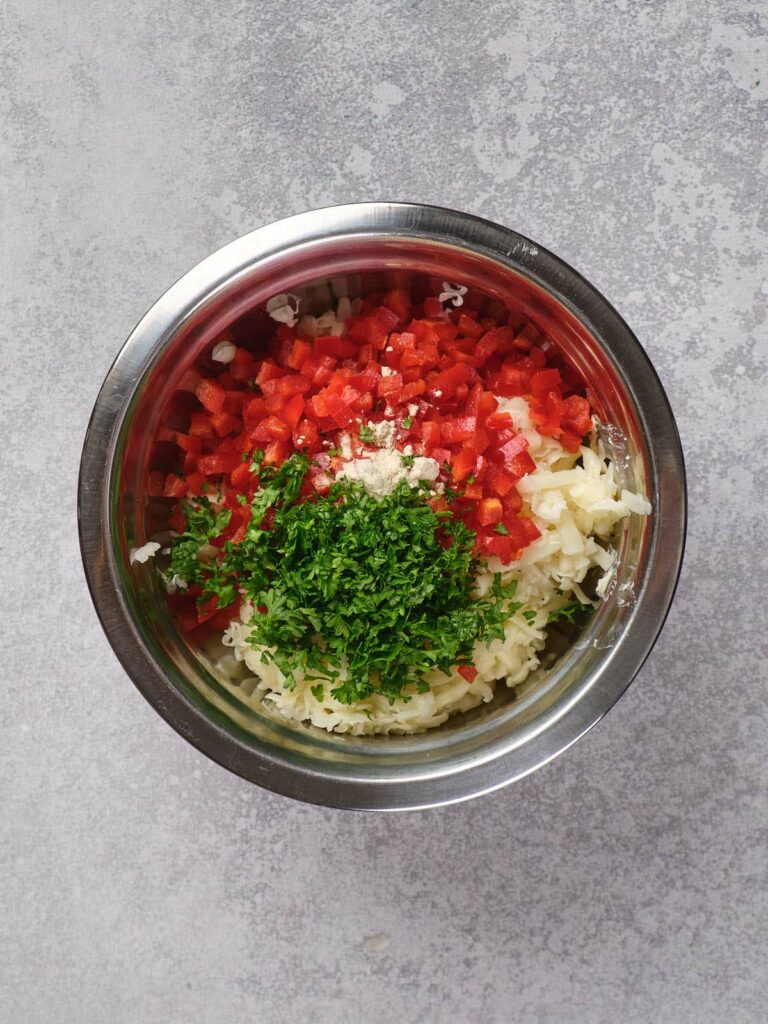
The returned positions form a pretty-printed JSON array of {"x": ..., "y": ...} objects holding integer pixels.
[
  {"x": 224, "y": 352},
  {"x": 284, "y": 308},
  {"x": 145, "y": 552},
  {"x": 453, "y": 293}
]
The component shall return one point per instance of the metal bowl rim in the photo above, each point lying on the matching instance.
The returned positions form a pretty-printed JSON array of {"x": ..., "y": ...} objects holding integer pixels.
[{"x": 161, "y": 322}]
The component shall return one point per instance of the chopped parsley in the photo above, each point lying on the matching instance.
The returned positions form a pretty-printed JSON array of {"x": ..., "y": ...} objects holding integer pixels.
[
  {"x": 407, "y": 460},
  {"x": 501, "y": 528},
  {"x": 529, "y": 615},
  {"x": 570, "y": 611},
  {"x": 366, "y": 434},
  {"x": 407, "y": 422},
  {"x": 363, "y": 595}
]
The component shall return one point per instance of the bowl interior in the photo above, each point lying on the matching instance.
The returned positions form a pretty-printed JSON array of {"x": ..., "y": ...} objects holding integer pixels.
[{"x": 318, "y": 271}]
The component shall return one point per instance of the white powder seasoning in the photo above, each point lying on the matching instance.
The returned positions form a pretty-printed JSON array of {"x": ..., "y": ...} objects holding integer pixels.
[{"x": 381, "y": 470}]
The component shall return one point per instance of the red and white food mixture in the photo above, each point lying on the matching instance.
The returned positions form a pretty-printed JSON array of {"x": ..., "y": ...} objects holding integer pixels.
[{"x": 480, "y": 409}]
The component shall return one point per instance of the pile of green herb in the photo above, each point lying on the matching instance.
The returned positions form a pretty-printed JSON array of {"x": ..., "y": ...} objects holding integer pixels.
[{"x": 379, "y": 587}]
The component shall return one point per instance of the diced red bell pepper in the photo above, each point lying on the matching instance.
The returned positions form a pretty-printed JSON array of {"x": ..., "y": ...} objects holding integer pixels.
[
  {"x": 234, "y": 401},
  {"x": 489, "y": 512},
  {"x": 276, "y": 453},
  {"x": 272, "y": 427},
  {"x": 469, "y": 672},
  {"x": 243, "y": 365},
  {"x": 335, "y": 346},
  {"x": 576, "y": 416},
  {"x": 499, "y": 481},
  {"x": 174, "y": 486},
  {"x": 306, "y": 435},
  {"x": 195, "y": 484},
  {"x": 200, "y": 425},
  {"x": 254, "y": 410},
  {"x": 454, "y": 431},
  {"x": 387, "y": 385},
  {"x": 493, "y": 544},
  {"x": 301, "y": 349},
  {"x": 512, "y": 502},
  {"x": 269, "y": 371},
  {"x": 189, "y": 443},
  {"x": 407, "y": 393},
  {"x": 511, "y": 449},
  {"x": 292, "y": 384},
  {"x": 292, "y": 411},
  {"x": 399, "y": 301},
  {"x": 218, "y": 462},
  {"x": 544, "y": 381},
  {"x": 225, "y": 423},
  {"x": 242, "y": 478},
  {"x": 571, "y": 442},
  {"x": 463, "y": 463},
  {"x": 211, "y": 395},
  {"x": 448, "y": 380},
  {"x": 469, "y": 327},
  {"x": 521, "y": 464},
  {"x": 430, "y": 435}
]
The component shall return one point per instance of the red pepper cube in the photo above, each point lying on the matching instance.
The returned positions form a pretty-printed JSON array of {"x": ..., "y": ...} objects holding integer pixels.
[
  {"x": 571, "y": 442},
  {"x": 211, "y": 395},
  {"x": 241, "y": 477},
  {"x": 544, "y": 381},
  {"x": 299, "y": 353},
  {"x": 269, "y": 371},
  {"x": 276, "y": 453},
  {"x": 242, "y": 366},
  {"x": 399, "y": 301},
  {"x": 463, "y": 464},
  {"x": 499, "y": 481},
  {"x": 306, "y": 435},
  {"x": 455, "y": 431},
  {"x": 189, "y": 443},
  {"x": 174, "y": 486},
  {"x": 489, "y": 512},
  {"x": 224, "y": 423},
  {"x": 218, "y": 462}
]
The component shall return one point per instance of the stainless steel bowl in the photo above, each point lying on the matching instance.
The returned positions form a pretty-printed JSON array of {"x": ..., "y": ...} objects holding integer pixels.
[{"x": 357, "y": 247}]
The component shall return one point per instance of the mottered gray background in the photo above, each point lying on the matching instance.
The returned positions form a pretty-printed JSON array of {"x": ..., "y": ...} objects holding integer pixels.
[{"x": 627, "y": 880}]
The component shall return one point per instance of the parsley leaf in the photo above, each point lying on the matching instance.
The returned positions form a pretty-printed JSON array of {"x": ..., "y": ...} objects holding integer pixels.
[
  {"x": 501, "y": 528},
  {"x": 570, "y": 611},
  {"x": 407, "y": 422},
  {"x": 366, "y": 434},
  {"x": 407, "y": 460}
]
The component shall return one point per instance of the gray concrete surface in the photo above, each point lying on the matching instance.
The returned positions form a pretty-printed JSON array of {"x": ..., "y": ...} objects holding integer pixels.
[{"x": 625, "y": 882}]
